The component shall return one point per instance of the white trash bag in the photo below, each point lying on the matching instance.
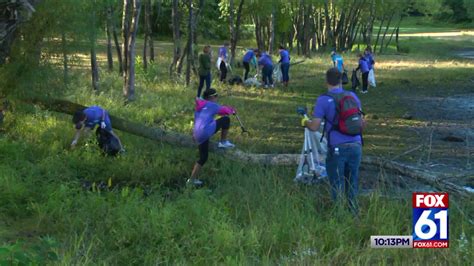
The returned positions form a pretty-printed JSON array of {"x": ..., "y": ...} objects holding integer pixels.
[{"x": 371, "y": 78}]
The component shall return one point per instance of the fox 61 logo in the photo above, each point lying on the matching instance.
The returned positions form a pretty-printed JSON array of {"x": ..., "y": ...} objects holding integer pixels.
[{"x": 430, "y": 220}]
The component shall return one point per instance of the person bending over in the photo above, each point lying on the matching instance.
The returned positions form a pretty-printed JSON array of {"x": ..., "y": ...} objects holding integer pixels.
[
  {"x": 266, "y": 64},
  {"x": 205, "y": 126},
  {"x": 87, "y": 119},
  {"x": 249, "y": 59}
]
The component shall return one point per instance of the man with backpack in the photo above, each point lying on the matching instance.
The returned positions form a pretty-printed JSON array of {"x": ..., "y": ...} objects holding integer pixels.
[{"x": 341, "y": 111}]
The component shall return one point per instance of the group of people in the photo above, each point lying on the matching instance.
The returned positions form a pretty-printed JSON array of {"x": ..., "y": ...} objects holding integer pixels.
[
  {"x": 365, "y": 65},
  {"x": 260, "y": 60},
  {"x": 344, "y": 150}
]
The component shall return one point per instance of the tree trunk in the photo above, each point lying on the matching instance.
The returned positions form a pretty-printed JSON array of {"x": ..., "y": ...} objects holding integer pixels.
[
  {"x": 396, "y": 39},
  {"x": 110, "y": 60},
  {"x": 271, "y": 27},
  {"x": 129, "y": 80},
  {"x": 94, "y": 69},
  {"x": 116, "y": 40},
  {"x": 148, "y": 32},
  {"x": 94, "y": 66},
  {"x": 329, "y": 33},
  {"x": 176, "y": 36},
  {"x": 189, "y": 47},
  {"x": 151, "y": 44},
  {"x": 385, "y": 32},
  {"x": 393, "y": 32},
  {"x": 125, "y": 33},
  {"x": 235, "y": 30},
  {"x": 439, "y": 180},
  {"x": 378, "y": 34},
  {"x": 65, "y": 58}
]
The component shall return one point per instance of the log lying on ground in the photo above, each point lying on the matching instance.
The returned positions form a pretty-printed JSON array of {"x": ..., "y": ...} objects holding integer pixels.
[{"x": 437, "y": 180}]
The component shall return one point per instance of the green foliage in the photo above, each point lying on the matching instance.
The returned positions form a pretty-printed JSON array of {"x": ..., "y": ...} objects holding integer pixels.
[{"x": 19, "y": 253}]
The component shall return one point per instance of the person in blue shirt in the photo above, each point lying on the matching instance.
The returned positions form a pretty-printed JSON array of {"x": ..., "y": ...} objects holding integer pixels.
[
  {"x": 337, "y": 61},
  {"x": 266, "y": 64},
  {"x": 284, "y": 65},
  {"x": 249, "y": 59},
  {"x": 364, "y": 68},
  {"x": 223, "y": 55},
  {"x": 87, "y": 119}
]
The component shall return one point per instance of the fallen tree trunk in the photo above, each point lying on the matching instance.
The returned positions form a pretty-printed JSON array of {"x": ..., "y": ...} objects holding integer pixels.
[{"x": 437, "y": 180}]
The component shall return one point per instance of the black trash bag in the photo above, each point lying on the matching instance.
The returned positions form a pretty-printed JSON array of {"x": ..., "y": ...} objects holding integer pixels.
[
  {"x": 108, "y": 143},
  {"x": 345, "y": 78},
  {"x": 355, "y": 81},
  {"x": 235, "y": 80}
]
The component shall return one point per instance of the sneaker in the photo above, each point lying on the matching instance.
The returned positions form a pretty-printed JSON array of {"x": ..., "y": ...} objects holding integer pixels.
[
  {"x": 225, "y": 144},
  {"x": 365, "y": 91},
  {"x": 265, "y": 87},
  {"x": 194, "y": 182},
  {"x": 272, "y": 86}
]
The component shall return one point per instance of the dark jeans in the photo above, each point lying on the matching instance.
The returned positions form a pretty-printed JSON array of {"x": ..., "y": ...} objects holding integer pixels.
[
  {"x": 223, "y": 69},
  {"x": 221, "y": 123},
  {"x": 247, "y": 70},
  {"x": 206, "y": 78},
  {"x": 267, "y": 75},
  {"x": 285, "y": 69},
  {"x": 343, "y": 170},
  {"x": 365, "y": 81}
]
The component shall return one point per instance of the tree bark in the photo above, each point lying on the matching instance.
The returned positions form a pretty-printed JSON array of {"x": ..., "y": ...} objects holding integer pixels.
[
  {"x": 65, "y": 58},
  {"x": 393, "y": 32},
  {"x": 235, "y": 30},
  {"x": 125, "y": 33},
  {"x": 116, "y": 39},
  {"x": 94, "y": 66},
  {"x": 271, "y": 41},
  {"x": 378, "y": 33},
  {"x": 108, "y": 30},
  {"x": 176, "y": 36},
  {"x": 438, "y": 180},
  {"x": 189, "y": 47},
  {"x": 385, "y": 33},
  {"x": 129, "y": 81},
  {"x": 94, "y": 69}
]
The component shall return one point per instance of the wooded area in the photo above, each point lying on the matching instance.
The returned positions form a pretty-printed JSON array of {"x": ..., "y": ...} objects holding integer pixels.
[{"x": 307, "y": 26}]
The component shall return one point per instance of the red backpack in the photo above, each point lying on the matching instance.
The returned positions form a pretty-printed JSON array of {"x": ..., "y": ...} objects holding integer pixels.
[{"x": 348, "y": 119}]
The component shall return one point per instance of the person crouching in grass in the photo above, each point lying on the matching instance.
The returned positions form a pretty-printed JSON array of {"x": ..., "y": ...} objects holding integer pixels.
[
  {"x": 205, "y": 126},
  {"x": 87, "y": 119}
]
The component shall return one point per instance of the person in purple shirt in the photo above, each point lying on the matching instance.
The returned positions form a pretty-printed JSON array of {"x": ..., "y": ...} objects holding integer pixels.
[
  {"x": 88, "y": 119},
  {"x": 223, "y": 54},
  {"x": 364, "y": 68},
  {"x": 266, "y": 64},
  {"x": 344, "y": 151},
  {"x": 284, "y": 65},
  {"x": 249, "y": 59},
  {"x": 369, "y": 57},
  {"x": 205, "y": 126}
]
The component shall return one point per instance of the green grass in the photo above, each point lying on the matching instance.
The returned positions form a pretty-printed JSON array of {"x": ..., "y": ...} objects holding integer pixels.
[{"x": 250, "y": 214}]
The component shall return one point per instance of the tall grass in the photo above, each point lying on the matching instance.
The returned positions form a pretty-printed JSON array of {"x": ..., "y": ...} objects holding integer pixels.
[{"x": 248, "y": 215}]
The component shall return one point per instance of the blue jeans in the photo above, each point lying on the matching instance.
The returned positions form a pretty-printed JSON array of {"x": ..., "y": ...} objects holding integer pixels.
[
  {"x": 342, "y": 167},
  {"x": 206, "y": 78},
  {"x": 267, "y": 75},
  {"x": 285, "y": 69}
]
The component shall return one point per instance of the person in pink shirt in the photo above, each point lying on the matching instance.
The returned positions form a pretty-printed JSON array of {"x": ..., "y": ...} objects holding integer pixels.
[{"x": 205, "y": 126}]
